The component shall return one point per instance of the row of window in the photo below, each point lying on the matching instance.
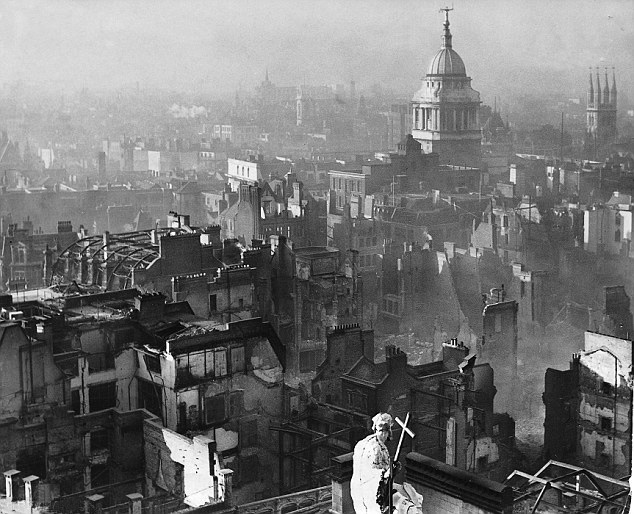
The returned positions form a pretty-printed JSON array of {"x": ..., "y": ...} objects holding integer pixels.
[
  {"x": 367, "y": 241},
  {"x": 243, "y": 171},
  {"x": 212, "y": 363},
  {"x": 449, "y": 84},
  {"x": 368, "y": 260},
  {"x": 341, "y": 184},
  {"x": 220, "y": 407},
  {"x": 19, "y": 256}
]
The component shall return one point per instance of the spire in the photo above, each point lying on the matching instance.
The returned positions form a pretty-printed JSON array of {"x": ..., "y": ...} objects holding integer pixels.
[
  {"x": 591, "y": 91},
  {"x": 446, "y": 36},
  {"x": 606, "y": 89},
  {"x": 597, "y": 93},
  {"x": 613, "y": 92}
]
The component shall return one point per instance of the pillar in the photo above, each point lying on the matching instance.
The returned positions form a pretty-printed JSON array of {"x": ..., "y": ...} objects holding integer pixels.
[
  {"x": 11, "y": 484},
  {"x": 341, "y": 499},
  {"x": 93, "y": 504},
  {"x": 30, "y": 490},
  {"x": 134, "y": 506},
  {"x": 226, "y": 476}
]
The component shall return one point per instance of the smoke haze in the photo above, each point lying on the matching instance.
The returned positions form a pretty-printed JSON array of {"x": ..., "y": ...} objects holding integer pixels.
[{"x": 218, "y": 46}]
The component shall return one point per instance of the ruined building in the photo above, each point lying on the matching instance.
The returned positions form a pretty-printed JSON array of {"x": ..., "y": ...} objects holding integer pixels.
[{"x": 588, "y": 407}]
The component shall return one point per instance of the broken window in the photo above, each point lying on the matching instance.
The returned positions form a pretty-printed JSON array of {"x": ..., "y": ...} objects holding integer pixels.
[
  {"x": 152, "y": 363},
  {"x": 237, "y": 359},
  {"x": 102, "y": 396},
  {"x": 150, "y": 397},
  {"x": 236, "y": 403},
  {"x": 99, "y": 440},
  {"x": 606, "y": 423},
  {"x": 197, "y": 364},
  {"x": 99, "y": 475},
  {"x": 209, "y": 363},
  {"x": 75, "y": 403},
  {"x": 220, "y": 362},
  {"x": 215, "y": 409}
]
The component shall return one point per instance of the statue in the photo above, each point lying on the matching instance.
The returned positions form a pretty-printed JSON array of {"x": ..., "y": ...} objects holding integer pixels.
[
  {"x": 372, "y": 484},
  {"x": 370, "y": 464}
]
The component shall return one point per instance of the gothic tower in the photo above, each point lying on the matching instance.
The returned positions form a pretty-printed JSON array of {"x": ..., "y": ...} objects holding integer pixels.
[
  {"x": 600, "y": 117},
  {"x": 445, "y": 109}
]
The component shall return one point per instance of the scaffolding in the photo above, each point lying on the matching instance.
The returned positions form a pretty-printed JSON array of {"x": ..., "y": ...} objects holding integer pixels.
[{"x": 561, "y": 487}]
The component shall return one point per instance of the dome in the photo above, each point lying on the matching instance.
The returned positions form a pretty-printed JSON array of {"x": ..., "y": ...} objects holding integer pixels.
[{"x": 447, "y": 62}]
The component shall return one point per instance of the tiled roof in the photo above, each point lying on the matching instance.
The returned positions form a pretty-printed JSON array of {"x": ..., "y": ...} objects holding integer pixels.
[{"x": 367, "y": 371}]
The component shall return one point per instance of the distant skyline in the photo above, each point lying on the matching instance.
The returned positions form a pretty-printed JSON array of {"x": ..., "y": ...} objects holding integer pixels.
[{"x": 223, "y": 45}]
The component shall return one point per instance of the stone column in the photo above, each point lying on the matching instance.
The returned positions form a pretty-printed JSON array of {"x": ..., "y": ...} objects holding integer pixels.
[
  {"x": 11, "y": 484},
  {"x": 93, "y": 504},
  {"x": 226, "y": 475},
  {"x": 341, "y": 499},
  {"x": 30, "y": 490},
  {"x": 134, "y": 503}
]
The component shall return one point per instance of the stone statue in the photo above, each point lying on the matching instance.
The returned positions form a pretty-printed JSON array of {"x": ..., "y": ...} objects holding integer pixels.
[
  {"x": 371, "y": 487},
  {"x": 370, "y": 463}
]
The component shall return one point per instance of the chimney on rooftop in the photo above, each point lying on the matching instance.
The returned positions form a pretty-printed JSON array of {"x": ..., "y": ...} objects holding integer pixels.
[
  {"x": 396, "y": 359},
  {"x": 453, "y": 353},
  {"x": 150, "y": 306}
]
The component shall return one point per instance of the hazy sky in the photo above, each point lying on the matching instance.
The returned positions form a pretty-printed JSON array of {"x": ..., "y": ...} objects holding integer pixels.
[{"x": 220, "y": 45}]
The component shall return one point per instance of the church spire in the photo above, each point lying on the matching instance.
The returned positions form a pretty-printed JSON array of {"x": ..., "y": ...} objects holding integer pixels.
[
  {"x": 606, "y": 90},
  {"x": 613, "y": 92},
  {"x": 591, "y": 91},
  {"x": 597, "y": 93},
  {"x": 446, "y": 35}
]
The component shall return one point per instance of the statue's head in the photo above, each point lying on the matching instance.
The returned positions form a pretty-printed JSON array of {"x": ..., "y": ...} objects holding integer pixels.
[{"x": 382, "y": 426}]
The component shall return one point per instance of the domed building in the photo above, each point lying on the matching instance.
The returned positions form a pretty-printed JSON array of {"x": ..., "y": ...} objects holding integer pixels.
[{"x": 445, "y": 109}]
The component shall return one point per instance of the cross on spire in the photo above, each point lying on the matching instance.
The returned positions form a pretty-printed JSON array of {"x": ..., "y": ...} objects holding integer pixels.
[
  {"x": 446, "y": 36},
  {"x": 446, "y": 9}
]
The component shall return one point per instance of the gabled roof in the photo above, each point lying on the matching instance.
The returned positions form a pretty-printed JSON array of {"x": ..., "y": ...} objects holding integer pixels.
[
  {"x": 367, "y": 372},
  {"x": 620, "y": 199},
  {"x": 190, "y": 188}
]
